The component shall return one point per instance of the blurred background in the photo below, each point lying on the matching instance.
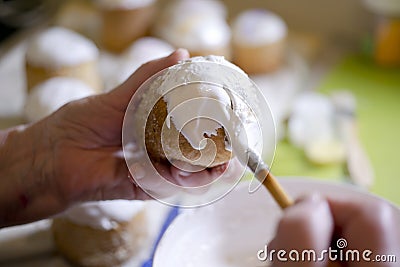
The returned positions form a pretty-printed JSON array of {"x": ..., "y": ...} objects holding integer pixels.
[{"x": 329, "y": 69}]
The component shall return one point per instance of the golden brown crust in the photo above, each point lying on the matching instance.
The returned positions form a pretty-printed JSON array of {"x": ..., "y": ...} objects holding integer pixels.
[
  {"x": 122, "y": 26},
  {"x": 162, "y": 145},
  {"x": 86, "y": 72},
  {"x": 87, "y": 246},
  {"x": 259, "y": 59}
]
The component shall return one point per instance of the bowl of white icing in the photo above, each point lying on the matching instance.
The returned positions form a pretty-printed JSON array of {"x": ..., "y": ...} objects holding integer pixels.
[{"x": 231, "y": 232}]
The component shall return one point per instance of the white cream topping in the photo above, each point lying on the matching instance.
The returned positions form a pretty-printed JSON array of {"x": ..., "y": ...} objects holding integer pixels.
[
  {"x": 208, "y": 7},
  {"x": 187, "y": 104},
  {"x": 57, "y": 47},
  {"x": 124, "y": 4},
  {"x": 50, "y": 95},
  {"x": 258, "y": 27},
  {"x": 147, "y": 48},
  {"x": 197, "y": 33},
  {"x": 195, "y": 25},
  {"x": 105, "y": 215},
  {"x": 201, "y": 97},
  {"x": 118, "y": 69}
]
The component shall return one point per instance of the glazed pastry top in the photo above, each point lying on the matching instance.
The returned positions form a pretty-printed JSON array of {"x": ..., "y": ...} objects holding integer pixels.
[{"x": 258, "y": 27}]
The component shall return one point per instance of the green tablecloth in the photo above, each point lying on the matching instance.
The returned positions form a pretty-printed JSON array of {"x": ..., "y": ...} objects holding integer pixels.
[{"x": 378, "y": 98}]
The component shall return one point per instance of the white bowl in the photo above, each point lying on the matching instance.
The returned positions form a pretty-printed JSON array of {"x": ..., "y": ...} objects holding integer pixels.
[{"x": 231, "y": 231}]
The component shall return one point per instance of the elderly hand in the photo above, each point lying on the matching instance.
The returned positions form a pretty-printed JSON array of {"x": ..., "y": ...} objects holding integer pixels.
[{"x": 74, "y": 155}]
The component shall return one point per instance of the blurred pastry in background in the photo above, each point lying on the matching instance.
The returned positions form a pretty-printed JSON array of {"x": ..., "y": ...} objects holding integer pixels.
[
  {"x": 101, "y": 234},
  {"x": 199, "y": 26},
  {"x": 59, "y": 51},
  {"x": 50, "y": 95},
  {"x": 146, "y": 49},
  {"x": 306, "y": 44},
  {"x": 123, "y": 21},
  {"x": 80, "y": 16},
  {"x": 312, "y": 127},
  {"x": 116, "y": 68},
  {"x": 141, "y": 51},
  {"x": 259, "y": 41}
]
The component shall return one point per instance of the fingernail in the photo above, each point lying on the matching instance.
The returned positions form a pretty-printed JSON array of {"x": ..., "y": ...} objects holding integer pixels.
[
  {"x": 183, "y": 52},
  {"x": 184, "y": 174}
]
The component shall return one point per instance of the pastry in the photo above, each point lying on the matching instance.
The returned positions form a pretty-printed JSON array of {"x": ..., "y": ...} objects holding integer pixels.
[
  {"x": 58, "y": 51},
  {"x": 101, "y": 234},
  {"x": 146, "y": 49},
  {"x": 258, "y": 41},
  {"x": 186, "y": 124},
  {"x": 51, "y": 94},
  {"x": 80, "y": 16},
  {"x": 199, "y": 26},
  {"x": 123, "y": 21},
  {"x": 141, "y": 51}
]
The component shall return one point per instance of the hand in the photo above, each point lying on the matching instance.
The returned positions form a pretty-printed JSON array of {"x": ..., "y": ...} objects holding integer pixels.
[
  {"x": 75, "y": 155},
  {"x": 316, "y": 223}
]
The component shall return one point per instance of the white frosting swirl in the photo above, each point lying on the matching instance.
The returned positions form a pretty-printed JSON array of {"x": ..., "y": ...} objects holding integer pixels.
[
  {"x": 57, "y": 47},
  {"x": 104, "y": 215},
  {"x": 50, "y": 95},
  {"x": 258, "y": 27}
]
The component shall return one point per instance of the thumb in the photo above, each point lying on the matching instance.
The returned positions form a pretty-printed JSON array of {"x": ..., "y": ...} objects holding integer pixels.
[
  {"x": 120, "y": 96},
  {"x": 307, "y": 225}
]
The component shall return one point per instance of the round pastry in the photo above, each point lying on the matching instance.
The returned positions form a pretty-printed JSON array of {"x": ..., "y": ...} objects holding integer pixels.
[
  {"x": 123, "y": 21},
  {"x": 79, "y": 16},
  {"x": 186, "y": 124},
  {"x": 258, "y": 41},
  {"x": 116, "y": 69},
  {"x": 199, "y": 26},
  {"x": 146, "y": 49},
  {"x": 61, "y": 52},
  {"x": 141, "y": 51},
  {"x": 50, "y": 95},
  {"x": 101, "y": 234}
]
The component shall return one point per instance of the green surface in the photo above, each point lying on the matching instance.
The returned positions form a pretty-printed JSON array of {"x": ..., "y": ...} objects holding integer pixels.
[{"x": 377, "y": 91}]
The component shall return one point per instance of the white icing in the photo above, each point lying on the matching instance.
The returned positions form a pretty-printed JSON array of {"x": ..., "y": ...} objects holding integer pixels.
[
  {"x": 50, "y": 95},
  {"x": 208, "y": 7},
  {"x": 182, "y": 115},
  {"x": 197, "y": 33},
  {"x": 195, "y": 25},
  {"x": 105, "y": 215},
  {"x": 312, "y": 120},
  {"x": 57, "y": 47},
  {"x": 146, "y": 49},
  {"x": 124, "y": 4},
  {"x": 117, "y": 69},
  {"x": 258, "y": 27},
  {"x": 221, "y": 107},
  {"x": 143, "y": 50}
]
